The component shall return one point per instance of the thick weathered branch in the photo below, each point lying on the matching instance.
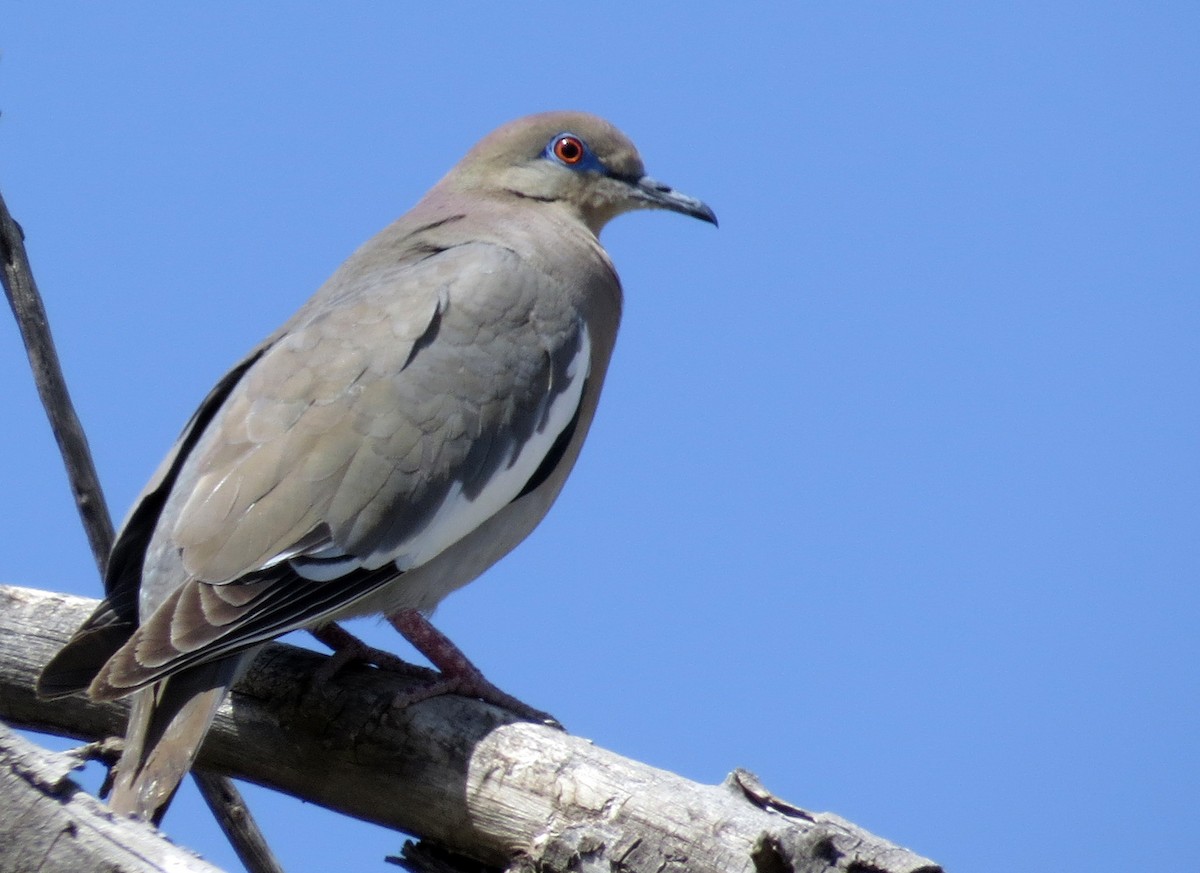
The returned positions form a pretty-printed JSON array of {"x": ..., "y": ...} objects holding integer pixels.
[
  {"x": 455, "y": 771},
  {"x": 52, "y": 825}
]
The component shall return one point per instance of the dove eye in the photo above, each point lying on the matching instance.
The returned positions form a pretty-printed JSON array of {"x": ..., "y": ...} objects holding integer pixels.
[{"x": 568, "y": 149}]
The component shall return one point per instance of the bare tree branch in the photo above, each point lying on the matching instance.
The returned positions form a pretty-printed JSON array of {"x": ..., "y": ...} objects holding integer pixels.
[
  {"x": 52, "y": 825},
  {"x": 221, "y": 795},
  {"x": 30, "y": 314},
  {"x": 227, "y": 806},
  {"x": 458, "y": 772}
]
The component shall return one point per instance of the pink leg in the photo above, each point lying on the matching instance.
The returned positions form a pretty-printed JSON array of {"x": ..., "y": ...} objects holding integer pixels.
[
  {"x": 458, "y": 675},
  {"x": 349, "y": 649}
]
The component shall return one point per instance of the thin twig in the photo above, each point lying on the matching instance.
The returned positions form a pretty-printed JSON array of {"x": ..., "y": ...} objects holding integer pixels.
[
  {"x": 21, "y": 290},
  {"x": 234, "y": 817},
  {"x": 31, "y": 319}
]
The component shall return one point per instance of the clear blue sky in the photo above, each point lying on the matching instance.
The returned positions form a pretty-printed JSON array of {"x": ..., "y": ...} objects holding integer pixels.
[{"x": 893, "y": 493}]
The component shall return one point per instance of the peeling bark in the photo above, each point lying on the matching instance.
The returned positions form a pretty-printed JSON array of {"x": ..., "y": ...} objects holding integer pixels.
[{"x": 458, "y": 773}]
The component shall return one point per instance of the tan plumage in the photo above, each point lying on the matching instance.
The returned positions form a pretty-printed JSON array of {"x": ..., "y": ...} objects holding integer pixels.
[{"x": 404, "y": 430}]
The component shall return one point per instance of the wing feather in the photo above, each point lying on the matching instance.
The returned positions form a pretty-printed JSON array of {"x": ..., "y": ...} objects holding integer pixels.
[{"x": 280, "y": 519}]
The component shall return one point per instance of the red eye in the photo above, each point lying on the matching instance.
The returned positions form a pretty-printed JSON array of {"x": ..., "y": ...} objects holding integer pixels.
[{"x": 568, "y": 149}]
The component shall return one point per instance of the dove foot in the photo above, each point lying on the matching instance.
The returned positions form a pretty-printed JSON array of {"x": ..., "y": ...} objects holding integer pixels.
[{"x": 457, "y": 674}]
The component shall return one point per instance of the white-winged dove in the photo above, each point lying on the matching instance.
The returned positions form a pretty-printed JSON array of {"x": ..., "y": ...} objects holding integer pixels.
[{"x": 402, "y": 432}]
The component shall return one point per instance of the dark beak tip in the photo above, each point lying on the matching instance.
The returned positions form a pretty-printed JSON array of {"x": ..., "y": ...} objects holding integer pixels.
[{"x": 663, "y": 196}]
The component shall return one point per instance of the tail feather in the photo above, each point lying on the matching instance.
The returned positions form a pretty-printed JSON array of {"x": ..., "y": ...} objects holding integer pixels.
[{"x": 166, "y": 727}]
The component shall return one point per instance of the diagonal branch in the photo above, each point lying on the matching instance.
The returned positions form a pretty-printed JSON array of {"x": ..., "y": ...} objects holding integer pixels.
[
  {"x": 30, "y": 314},
  {"x": 21, "y": 289}
]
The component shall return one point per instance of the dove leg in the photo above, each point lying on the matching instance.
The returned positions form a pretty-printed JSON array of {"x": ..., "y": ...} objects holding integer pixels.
[
  {"x": 348, "y": 649},
  {"x": 458, "y": 674}
]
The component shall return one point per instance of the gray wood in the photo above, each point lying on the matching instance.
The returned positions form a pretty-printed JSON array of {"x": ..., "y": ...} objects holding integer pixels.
[
  {"x": 51, "y": 825},
  {"x": 460, "y": 772}
]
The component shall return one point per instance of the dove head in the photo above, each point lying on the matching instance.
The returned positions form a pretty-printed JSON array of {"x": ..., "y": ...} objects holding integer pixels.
[{"x": 571, "y": 159}]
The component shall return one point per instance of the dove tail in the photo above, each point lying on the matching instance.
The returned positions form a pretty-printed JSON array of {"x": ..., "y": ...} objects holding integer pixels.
[{"x": 167, "y": 724}]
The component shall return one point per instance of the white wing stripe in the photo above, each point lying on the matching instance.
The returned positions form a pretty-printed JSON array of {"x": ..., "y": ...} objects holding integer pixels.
[{"x": 458, "y": 515}]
